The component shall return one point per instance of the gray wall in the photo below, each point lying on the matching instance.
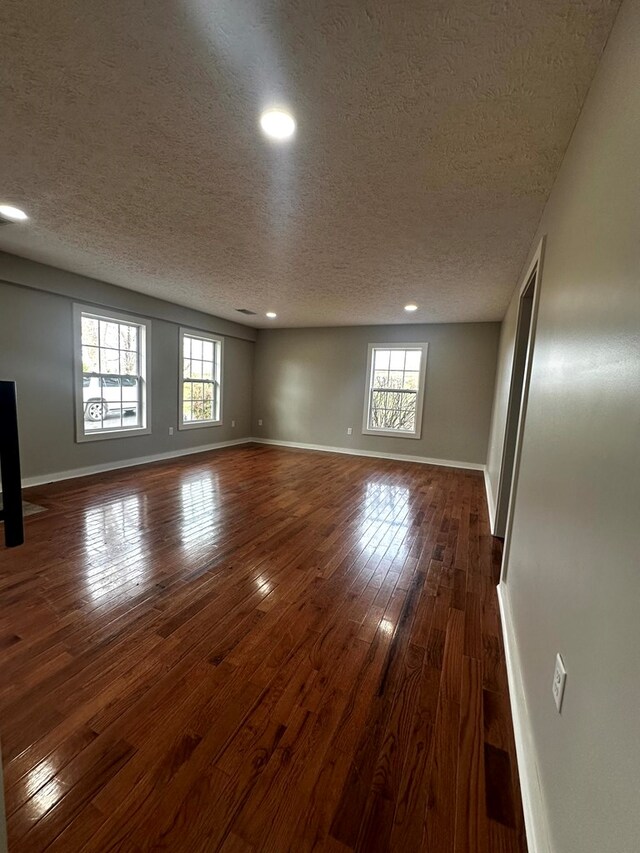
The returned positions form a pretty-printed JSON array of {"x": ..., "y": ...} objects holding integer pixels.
[
  {"x": 309, "y": 386},
  {"x": 36, "y": 349},
  {"x": 573, "y": 580}
]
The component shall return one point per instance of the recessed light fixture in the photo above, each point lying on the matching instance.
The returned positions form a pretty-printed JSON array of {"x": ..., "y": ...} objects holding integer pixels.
[
  {"x": 411, "y": 307},
  {"x": 271, "y": 315},
  {"x": 13, "y": 213},
  {"x": 278, "y": 124}
]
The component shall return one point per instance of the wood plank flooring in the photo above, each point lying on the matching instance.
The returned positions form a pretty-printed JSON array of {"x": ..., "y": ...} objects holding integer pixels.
[{"x": 257, "y": 649}]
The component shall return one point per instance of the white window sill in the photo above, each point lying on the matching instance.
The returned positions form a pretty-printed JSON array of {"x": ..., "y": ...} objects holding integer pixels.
[
  {"x": 102, "y": 435},
  {"x": 200, "y": 424},
  {"x": 391, "y": 433}
]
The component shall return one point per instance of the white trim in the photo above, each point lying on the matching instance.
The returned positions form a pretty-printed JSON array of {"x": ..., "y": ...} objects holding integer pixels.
[
  {"x": 491, "y": 504},
  {"x": 350, "y": 451},
  {"x": 533, "y": 276},
  {"x": 57, "y": 476},
  {"x": 203, "y": 336},
  {"x": 535, "y": 814},
  {"x": 395, "y": 433},
  {"x": 144, "y": 351},
  {"x": 27, "y": 482}
]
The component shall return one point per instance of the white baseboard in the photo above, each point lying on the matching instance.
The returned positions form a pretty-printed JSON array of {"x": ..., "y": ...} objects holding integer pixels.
[
  {"x": 490, "y": 501},
  {"x": 400, "y": 457},
  {"x": 535, "y": 814},
  {"x": 86, "y": 471},
  {"x": 126, "y": 463}
]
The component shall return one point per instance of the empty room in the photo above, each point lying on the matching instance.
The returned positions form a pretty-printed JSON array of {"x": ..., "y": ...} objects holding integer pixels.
[{"x": 320, "y": 426}]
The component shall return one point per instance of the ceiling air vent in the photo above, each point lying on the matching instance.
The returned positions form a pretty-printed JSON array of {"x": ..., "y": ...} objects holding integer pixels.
[{"x": 245, "y": 311}]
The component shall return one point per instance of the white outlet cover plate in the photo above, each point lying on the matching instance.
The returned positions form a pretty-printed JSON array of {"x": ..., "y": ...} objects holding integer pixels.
[{"x": 559, "y": 679}]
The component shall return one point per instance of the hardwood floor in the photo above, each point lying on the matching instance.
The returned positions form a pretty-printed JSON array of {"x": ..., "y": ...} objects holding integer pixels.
[{"x": 257, "y": 649}]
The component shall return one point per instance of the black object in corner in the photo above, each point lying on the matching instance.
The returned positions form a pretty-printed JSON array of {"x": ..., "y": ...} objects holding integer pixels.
[{"x": 11, "y": 512}]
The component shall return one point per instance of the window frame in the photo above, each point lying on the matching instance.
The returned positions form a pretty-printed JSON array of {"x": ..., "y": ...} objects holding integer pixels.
[
  {"x": 215, "y": 339},
  {"x": 144, "y": 362},
  {"x": 395, "y": 433}
]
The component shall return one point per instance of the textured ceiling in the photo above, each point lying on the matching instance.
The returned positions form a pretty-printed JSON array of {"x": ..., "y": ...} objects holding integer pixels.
[{"x": 429, "y": 135}]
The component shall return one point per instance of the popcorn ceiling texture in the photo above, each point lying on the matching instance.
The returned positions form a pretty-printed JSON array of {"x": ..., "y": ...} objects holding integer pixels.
[{"x": 429, "y": 135}]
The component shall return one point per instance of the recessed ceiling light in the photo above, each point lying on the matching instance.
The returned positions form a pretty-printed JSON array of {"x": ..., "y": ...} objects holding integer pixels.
[
  {"x": 12, "y": 213},
  {"x": 271, "y": 315},
  {"x": 278, "y": 124},
  {"x": 411, "y": 307}
]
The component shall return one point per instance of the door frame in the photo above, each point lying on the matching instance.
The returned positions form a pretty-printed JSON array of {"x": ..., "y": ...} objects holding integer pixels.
[{"x": 517, "y": 403}]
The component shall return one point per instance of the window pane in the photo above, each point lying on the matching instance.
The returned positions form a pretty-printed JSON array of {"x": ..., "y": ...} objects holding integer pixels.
[
  {"x": 128, "y": 337},
  {"x": 393, "y": 393},
  {"x": 207, "y": 350},
  {"x": 109, "y": 334},
  {"x": 131, "y": 415},
  {"x": 413, "y": 360},
  {"x": 200, "y": 363},
  {"x": 409, "y": 421},
  {"x": 89, "y": 331},
  {"x": 90, "y": 360},
  {"x": 128, "y": 363},
  {"x": 381, "y": 359},
  {"x": 397, "y": 359},
  {"x": 197, "y": 409},
  {"x": 112, "y": 401},
  {"x": 109, "y": 361},
  {"x": 411, "y": 380},
  {"x": 393, "y": 410},
  {"x": 379, "y": 399}
]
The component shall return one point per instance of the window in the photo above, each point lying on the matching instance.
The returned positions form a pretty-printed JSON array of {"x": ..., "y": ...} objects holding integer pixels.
[
  {"x": 395, "y": 390},
  {"x": 200, "y": 389},
  {"x": 111, "y": 354}
]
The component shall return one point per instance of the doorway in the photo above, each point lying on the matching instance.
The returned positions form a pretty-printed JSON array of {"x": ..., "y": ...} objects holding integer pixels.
[{"x": 517, "y": 403}]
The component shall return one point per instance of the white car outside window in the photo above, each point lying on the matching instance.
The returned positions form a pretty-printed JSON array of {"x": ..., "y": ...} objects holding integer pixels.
[{"x": 101, "y": 395}]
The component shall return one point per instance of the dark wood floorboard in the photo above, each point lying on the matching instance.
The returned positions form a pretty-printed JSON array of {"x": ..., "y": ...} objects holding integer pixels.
[{"x": 258, "y": 649}]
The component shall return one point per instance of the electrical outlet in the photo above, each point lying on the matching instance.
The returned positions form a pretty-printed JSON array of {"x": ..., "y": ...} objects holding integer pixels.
[
  {"x": 349, "y": 430},
  {"x": 233, "y": 423},
  {"x": 559, "y": 679},
  {"x": 259, "y": 421},
  {"x": 170, "y": 430}
]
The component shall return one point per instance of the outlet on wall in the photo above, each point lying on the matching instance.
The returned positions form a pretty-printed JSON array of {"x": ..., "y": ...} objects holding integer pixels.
[
  {"x": 559, "y": 679},
  {"x": 170, "y": 430},
  {"x": 259, "y": 421},
  {"x": 349, "y": 430},
  {"x": 233, "y": 423}
]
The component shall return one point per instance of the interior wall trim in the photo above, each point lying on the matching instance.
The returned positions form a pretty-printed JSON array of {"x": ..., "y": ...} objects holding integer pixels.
[
  {"x": 55, "y": 477},
  {"x": 533, "y": 806},
  {"x": 491, "y": 504},
  {"x": 352, "y": 451},
  {"x": 87, "y": 471}
]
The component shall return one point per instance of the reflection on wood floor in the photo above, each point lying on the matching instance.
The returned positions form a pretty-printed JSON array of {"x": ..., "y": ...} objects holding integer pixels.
[{"x": 257, "y": 649}]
